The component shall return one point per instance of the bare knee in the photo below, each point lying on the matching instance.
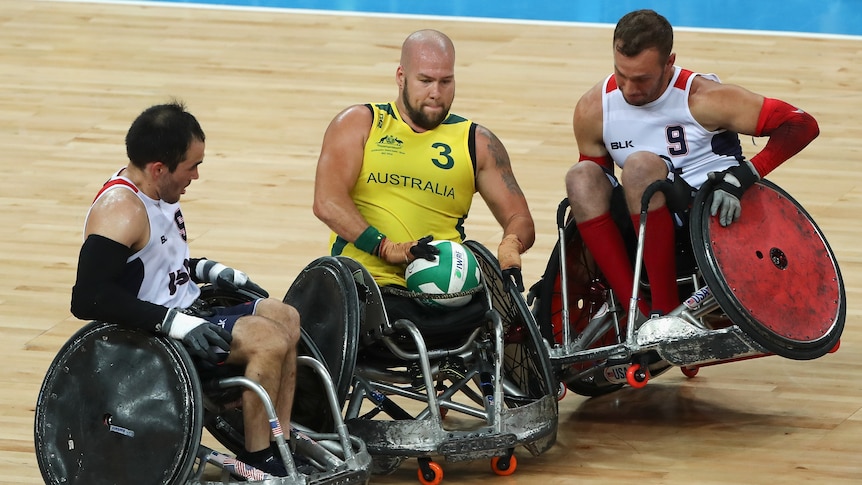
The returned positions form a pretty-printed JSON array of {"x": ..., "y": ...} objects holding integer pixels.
[
  {"x": 643, "y": 168},
  {"x": 284, "y": 316},
  {"x": 639, "y": 171},
  {"x": 264, "y": 341},
  {"x": 588, "y": 190}
]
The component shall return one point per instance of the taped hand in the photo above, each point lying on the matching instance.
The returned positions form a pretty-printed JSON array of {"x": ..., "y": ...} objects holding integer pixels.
[
  {"x": 404, "y": 253},
  {"x": 199, "y": 336},
  {"x": 206, "y": 271},
  {"x": 730, "y": 185},
  {"x": 509, "y": 256}
]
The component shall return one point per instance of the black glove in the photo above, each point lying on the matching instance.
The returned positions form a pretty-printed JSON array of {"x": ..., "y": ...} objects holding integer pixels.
[
  {"x": 730, "y": 185},
  {"x": 206, "y": 271},
  {"x": 424, "y": 250},
  {"x": 199, "y": 336},
  {"x": 513, "y": 277}
]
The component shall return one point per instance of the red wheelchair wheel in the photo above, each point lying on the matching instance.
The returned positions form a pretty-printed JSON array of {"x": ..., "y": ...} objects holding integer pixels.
[{"x": 772, "y": 272}]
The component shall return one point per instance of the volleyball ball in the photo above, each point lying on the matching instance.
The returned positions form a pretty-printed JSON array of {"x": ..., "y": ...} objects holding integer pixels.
[{"x": 454, "y": 270}]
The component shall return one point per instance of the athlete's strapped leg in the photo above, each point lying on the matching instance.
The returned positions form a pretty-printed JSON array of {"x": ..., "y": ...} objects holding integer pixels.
[
  {"x": 265, "y": 343},
  {"x": 641, "y": 169},
  {"x": 589, "y": 190},
  {"x": 660, "y": 258},
  {"x": 602, "y": 237}
]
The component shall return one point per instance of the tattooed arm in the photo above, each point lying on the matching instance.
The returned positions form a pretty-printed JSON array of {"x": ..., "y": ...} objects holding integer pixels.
[{"x": 496, "y": 182}]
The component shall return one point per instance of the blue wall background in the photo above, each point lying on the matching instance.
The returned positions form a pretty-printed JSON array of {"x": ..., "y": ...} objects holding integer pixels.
[{"x": 833, "y": 17}]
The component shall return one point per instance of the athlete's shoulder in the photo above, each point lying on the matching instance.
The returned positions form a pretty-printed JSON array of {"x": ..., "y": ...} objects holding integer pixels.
[
  {"x": 590, "y": 103},
  {"x": 355, "y": 117}
]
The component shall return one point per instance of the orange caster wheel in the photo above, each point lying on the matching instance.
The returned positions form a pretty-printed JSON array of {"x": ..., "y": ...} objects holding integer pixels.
[
  {"x": 636, "y": 376},
  {"x": 562, "y": 391},
  {"x": 690, "y": 371},
  {"x": 504, "y": 466},
  {"x": 430, "y": 473}
]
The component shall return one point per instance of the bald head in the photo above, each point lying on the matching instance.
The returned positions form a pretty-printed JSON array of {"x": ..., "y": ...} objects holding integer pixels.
[{"x": 427, "y": 45}]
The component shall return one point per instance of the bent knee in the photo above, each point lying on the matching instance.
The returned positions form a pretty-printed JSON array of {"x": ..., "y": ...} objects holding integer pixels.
[
  {"x": 644, "y": 165},
  {"x": 283, "y": 314},
  {"x": 587, "y": 182}
]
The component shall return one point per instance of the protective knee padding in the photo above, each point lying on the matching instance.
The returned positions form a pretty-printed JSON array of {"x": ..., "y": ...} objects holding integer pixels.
[
  {"x": 118, "y": 406},
  {"x": 772, "y": 272}
]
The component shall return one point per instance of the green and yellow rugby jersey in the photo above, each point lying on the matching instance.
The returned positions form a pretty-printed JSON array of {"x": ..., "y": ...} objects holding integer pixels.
[{"x": 412, "y": 185}]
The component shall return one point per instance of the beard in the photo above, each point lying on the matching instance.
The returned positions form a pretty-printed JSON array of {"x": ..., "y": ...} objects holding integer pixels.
[{"x": 419, "y": 117}]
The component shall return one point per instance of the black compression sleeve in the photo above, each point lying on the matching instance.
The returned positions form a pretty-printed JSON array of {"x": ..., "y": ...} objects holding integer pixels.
[{"x": 97, "y": 295}]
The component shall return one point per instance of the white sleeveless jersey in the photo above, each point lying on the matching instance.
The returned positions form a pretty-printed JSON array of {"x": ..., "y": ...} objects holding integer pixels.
[
  {"x": 667, "y": 128},
  {"x": 158, "y": 273}
]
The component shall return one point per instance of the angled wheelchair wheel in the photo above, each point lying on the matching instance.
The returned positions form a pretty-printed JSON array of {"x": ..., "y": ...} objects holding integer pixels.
[
  {"x": 118, "y": 405},
  {"x": 772, "y": 272},
  {"x": 525, "y": 361},
  {"x": 325, "y": 295}
]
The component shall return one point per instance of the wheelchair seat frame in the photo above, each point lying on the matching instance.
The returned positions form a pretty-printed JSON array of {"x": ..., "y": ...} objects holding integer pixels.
[{"x": 407, "y": 399}]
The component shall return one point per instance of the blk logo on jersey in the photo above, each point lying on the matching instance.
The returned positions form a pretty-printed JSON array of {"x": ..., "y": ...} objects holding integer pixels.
[
  {"x": 181, "y": 223},
  {"x": 621, "y": 145}
]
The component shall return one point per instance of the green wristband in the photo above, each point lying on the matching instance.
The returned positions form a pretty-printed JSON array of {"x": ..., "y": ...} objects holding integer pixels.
[{"x": 369, "y": 240}]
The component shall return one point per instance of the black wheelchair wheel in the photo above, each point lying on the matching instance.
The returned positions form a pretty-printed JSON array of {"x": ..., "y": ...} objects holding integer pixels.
[
  {"x": 325, "y": 296},
  {"x": 525, "y": 361},
  {"x": 772, "y": 272},
  {"x": 118, "y": 405}
]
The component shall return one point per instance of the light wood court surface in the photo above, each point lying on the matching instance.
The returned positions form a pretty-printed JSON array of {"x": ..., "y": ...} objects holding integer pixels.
[{"x": 265, "y": 85}]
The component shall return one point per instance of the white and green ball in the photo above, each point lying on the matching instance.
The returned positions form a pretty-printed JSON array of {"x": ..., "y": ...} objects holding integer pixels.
[{"x": 454, "y": 270}]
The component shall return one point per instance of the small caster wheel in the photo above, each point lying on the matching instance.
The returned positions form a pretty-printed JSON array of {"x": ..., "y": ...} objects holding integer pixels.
[
  {"x": 690, "y": 371},
  {"x": 430, "y": 473},
  {"x": 636, "y": 376},
  {"x": 504, "y": 466}
]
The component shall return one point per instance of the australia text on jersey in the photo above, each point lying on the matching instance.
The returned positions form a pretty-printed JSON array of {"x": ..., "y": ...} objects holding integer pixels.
[{"x": 411, "y": 183}]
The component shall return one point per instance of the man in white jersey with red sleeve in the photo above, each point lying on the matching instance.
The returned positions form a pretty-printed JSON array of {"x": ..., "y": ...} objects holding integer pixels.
[
  {"x": 134, "y": 270},
  {"x": 656, "y": 121}
]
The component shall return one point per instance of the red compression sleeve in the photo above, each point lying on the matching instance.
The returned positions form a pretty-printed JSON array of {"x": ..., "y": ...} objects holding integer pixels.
[
  {"x": 660, "y": 258},
  {"x": 789, "y": 130},
  {"x": 606, "y": 162},
  {"x": 606, "y": 244}
]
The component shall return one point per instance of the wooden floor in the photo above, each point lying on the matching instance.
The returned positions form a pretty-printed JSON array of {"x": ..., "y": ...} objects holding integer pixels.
[{"x": 264, "y": 86}]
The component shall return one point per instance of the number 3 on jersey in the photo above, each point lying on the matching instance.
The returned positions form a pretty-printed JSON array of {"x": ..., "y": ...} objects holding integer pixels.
[{"x": 445, "y": 151}]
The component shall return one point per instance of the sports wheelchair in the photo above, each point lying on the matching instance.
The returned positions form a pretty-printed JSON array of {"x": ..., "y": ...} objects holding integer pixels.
[
  {"x": 467, "y": 384},
  {"x": 121, "y": 405},
  {"x": 768, "y": 284}
]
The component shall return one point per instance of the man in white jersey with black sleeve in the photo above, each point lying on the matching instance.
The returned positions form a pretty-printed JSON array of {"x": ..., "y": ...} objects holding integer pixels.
[
  {"x": 657, "y": 121},
  {"x": 134, "y": 270}
]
